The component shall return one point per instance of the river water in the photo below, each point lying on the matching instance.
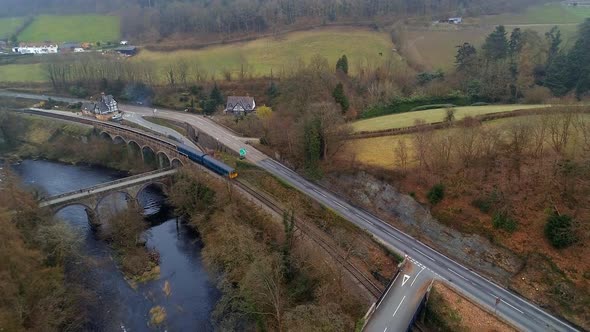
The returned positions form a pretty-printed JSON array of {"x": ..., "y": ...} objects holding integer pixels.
[{"x": 113, "y": 304}]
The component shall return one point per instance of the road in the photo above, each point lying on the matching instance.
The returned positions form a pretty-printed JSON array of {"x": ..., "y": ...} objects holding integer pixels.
[
  {"x": 165, "y": 131},
  {"x": 512, "y": 307},
  {"x": 402, "y": 299}
]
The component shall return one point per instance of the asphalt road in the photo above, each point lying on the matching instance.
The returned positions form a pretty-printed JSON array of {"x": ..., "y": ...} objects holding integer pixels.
[
  {"x": 512, "y": 307},
  {"x": 402, "y": 299}
]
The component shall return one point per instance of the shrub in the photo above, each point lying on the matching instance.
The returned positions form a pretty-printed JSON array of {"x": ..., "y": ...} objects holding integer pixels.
[
  {"x": 436, "y": 193},
  {"x": 484, "y": 205},
  {"x": 559, "y": 230},
  {"x": 503, "y": 221},
  {"x": 537, "y": 95},
  {"x": 402, "y": 105},
  {"x": 431, "y": 107}
]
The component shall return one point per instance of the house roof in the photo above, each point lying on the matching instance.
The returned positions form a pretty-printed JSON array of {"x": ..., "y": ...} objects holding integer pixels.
[
  {"x": 71, "y": 45},
  {"x": 107, "y": 99},
  {"x": 247, "y": 103},
  {"x": 126, "y": 49},
  {"x": 45, "y": 44},
  {"x": 88, "y": 106}
]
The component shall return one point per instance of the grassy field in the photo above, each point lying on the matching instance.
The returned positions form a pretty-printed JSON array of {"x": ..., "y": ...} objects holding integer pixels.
[
  {"x": 22, "y": 73},
  {"x": 80, "y": 28},
  {"x": 553, "y": 13},
  {"x": 435, "y": 115},
  {"x": 435, "y": 47},
  {"x": 9, "y": 25},
  {"x": 260, "y": 56},
  {"x": 381, "y": 151}
]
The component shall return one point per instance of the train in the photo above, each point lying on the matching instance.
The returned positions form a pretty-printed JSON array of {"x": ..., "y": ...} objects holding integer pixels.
[
  {"x": 194, "y": 155},
  {"x": 207, "y": 161}
]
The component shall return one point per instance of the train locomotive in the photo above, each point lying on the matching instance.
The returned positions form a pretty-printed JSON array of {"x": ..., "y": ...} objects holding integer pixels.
[{"x": 207, "y": 161}]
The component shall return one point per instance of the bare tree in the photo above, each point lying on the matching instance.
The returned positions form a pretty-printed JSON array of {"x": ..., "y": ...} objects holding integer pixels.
[
  {"x": 559, "y": 125},
  {"x": 422, "y": 140},
  {"x": 401, "y": 154}
]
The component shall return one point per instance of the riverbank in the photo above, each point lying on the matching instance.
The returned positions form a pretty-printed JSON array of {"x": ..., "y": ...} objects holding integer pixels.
[
  {"x": 31, "y": 137},
  {"x": 183, "y": 290}
]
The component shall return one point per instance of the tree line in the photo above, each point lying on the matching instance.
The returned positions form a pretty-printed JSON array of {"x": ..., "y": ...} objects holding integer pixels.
[{"x": 153, "y": 19}]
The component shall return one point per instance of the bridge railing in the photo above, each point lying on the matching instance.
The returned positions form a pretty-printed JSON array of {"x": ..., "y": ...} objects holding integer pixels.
[{"x": 106, "y": 184}]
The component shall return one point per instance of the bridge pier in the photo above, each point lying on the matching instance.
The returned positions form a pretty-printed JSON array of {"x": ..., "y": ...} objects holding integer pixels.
[{"x": 93, "y": 218}]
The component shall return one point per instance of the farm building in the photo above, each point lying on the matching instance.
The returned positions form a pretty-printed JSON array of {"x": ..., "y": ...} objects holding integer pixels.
[
  {"x": 127, "y": 50},
  {"x": 240, "y": 105},
  {"x": 36, "y": 48},
  {"x": 69, "y": 47}
]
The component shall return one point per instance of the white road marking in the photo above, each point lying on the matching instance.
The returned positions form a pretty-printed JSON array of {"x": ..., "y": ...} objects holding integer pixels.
[
  {"x": 418, "y": 250},
  {"x": 385, "y": 329},
  {"x": 416, "y": 277},
  {"x": 460, "y": 276},
  {"x": 406, "y": 278},
  {"x": 513, "y": 307},
  {"x": 320, "y": 193},
  {"x": 399, "y": 305},
  {"x": 340, "y": 205}
]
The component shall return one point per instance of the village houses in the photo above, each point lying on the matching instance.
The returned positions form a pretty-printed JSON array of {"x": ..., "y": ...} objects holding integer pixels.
[{"x": 36, "y": 48}]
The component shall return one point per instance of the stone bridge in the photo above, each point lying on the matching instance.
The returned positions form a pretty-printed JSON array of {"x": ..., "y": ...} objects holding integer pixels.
[
  {"x": 91, "y": 198},
  {"x": 153, "y": 150}
]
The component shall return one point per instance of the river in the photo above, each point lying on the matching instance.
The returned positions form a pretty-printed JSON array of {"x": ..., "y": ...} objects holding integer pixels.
[{"x": 114, "y": 305}]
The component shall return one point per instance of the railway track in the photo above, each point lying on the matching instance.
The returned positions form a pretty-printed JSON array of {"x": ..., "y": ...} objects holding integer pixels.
[{"x": 316, "y": 236}]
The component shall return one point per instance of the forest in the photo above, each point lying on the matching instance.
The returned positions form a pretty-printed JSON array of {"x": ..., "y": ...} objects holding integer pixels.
[{"x": 154, "y": 19}]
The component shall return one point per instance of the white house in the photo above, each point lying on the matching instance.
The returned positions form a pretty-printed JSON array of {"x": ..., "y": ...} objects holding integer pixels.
[
  {"x": 41, "y": 48},
  {"x": 124, "y": 42},
  {"x": 455, "y": 20}
]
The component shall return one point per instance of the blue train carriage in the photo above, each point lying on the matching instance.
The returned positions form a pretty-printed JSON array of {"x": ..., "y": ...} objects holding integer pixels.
[
  {"x": 191, "y": 153},
  {"x": 207, "y": 161},
  {"x": 219, "y": 167}
]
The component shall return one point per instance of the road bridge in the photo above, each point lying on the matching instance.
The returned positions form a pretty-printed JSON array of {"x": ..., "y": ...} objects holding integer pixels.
[{"x": 91, "y": 198}]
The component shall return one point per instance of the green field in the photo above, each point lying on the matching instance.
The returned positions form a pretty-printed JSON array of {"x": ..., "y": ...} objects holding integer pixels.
[
  {"x": 22, "y": 73},
  {"x": 260, "y": 56},
  {"x": 79, "y": 28},
  {"x": 435, "y": 47},
  {"x": 9, "y": 25},
  {"x": 435, "y": 115},
  {"x": 553, "y": 13}
]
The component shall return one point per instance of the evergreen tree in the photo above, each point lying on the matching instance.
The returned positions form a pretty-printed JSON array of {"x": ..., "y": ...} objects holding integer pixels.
[
  {"x": 579, "y": 60},
  {"x": 216, "y": 96},
  {"x": 272, "y": 92},
  {"x": 313, "y": 147},
  {"x": 554, "y": 39},
  {"x": 516, "y": 42},
  {"x": 557, "y": 78},
  {"x": 466, "y": 57},
  {"x": 342, "y": 64},
  {"x": 496, "y": 44},
  {"x": 341, "y": 98}
]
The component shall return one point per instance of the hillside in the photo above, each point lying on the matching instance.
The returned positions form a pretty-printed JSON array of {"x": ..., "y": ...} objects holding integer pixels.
[
  {"x": 80, "y": 28},
  {"x": 282, "y": 54},
  {"x": 9, "y": 25},
  {"x": 435, "y": 46}
]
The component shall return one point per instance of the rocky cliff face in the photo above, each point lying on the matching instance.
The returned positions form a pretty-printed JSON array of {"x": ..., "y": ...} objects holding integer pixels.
[{"x": 403, "y": 211}]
